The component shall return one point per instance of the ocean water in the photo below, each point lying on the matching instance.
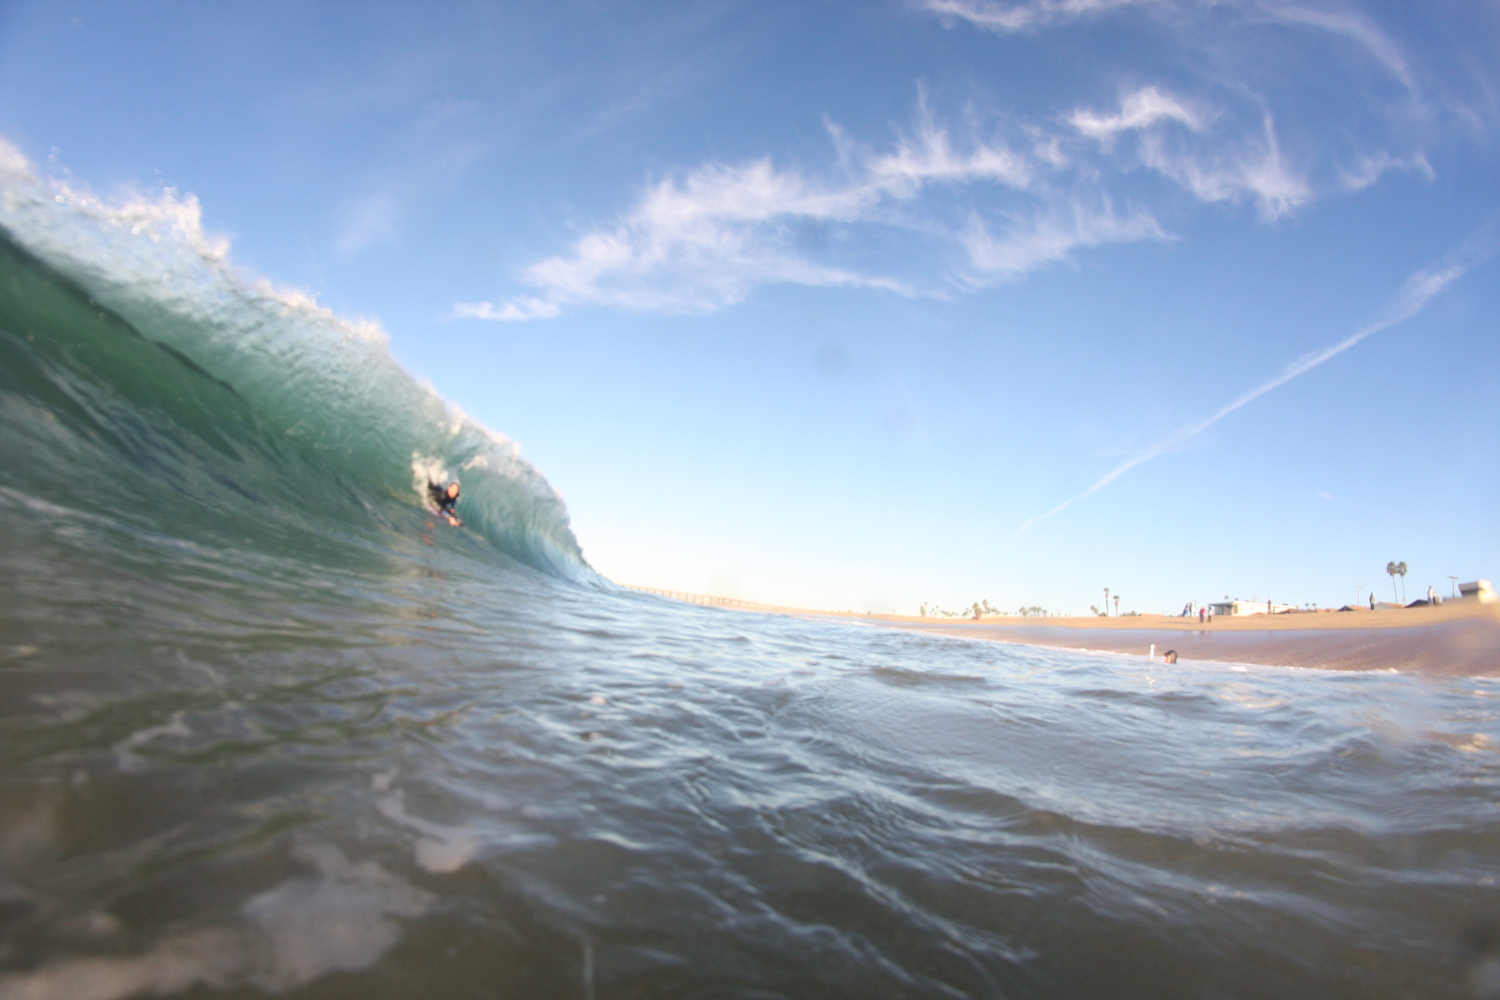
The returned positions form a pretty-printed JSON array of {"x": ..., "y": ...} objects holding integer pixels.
[{"x": 266, "y": 729}]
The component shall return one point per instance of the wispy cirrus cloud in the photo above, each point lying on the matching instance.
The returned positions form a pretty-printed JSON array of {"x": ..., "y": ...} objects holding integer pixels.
[
  {"x": 515, "y": 309},
  {"x": 1411, "y": 298},
  {"x": 1051, "y": 234},
  {"x": 1366, "y": 170},
  {"x": 929, "y": 155},
  {"x": 704, "y": 240},
  {"x": 1138, "y": 110},
  {"x": 1347, "y": 23},
  {"x": 695, "y": 244},
  {"x": 1160, "y": 132},
  {"x": 1004, "y": 17},
  {"x": 1010, "y": 16},
  {"x": 1243, "y": 64},
  {"x": 1254, "y": 170},
  {"x": 939, "y": 209}
]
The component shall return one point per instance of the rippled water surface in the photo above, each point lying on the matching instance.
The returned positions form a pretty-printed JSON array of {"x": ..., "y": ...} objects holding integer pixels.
[{"x": 453, "y": 780}]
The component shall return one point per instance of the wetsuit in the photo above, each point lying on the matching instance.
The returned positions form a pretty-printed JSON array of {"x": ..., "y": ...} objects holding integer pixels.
[{"x": 441, "y": 498}]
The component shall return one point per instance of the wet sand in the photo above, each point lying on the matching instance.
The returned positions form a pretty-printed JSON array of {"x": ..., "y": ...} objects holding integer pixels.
[{"x": 1457, "y": 639}]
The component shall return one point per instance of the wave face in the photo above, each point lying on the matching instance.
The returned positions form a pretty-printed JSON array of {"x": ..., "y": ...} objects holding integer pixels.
[
  {"x": 265, "y": 728},
  {"x": 145, "y": 373}
]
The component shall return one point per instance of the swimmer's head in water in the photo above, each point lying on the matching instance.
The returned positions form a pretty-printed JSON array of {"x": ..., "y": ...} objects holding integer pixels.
[
  {"x": 1170, "y": 656},
  {"x": 453, "y": 488}
]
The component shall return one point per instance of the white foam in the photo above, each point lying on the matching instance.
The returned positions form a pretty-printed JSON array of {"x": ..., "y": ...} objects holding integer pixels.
[
  {"x": 427, "y": 469},
  {"x": 303, "y": 929},
  {"x": 127, "y": 760},
  {"x": 440, "y": 849},
  {"x": 339, "y": 921}
]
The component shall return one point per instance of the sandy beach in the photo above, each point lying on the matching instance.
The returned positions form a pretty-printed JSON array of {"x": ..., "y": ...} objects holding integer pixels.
[
  {"x": 1461, "y": 638},
  {"x": 1455, "y": 639}
]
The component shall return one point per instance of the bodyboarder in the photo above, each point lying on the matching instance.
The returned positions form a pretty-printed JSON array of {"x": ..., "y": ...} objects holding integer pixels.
[{"x": 445, "y": 499}]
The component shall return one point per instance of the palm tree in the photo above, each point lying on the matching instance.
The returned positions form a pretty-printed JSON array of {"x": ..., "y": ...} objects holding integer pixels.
[{"x": 1395, "y": 569}]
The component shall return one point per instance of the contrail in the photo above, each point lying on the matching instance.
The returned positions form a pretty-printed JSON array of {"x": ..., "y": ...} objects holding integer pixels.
[{"x": 1419, "y": 289}]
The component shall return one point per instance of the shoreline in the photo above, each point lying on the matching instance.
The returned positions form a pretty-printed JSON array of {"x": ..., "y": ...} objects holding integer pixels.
[{"x": 1459, "y": 639}]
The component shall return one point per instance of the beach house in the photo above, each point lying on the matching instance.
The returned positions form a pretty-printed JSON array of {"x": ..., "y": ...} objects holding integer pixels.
[
  {"x": 1232, "y": 608},
  {"x": 1479, "y": 590}
]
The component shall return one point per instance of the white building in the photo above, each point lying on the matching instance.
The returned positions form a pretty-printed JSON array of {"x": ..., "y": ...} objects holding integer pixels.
[
  {"x": 1236, "y": 608},
  {"x": 1479, "y": 590}
]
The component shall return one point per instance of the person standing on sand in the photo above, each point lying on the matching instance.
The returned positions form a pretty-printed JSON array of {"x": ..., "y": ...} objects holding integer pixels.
[
  {"x": 1432, "y": 597},
  {"x": 1200, "y": 615},
  {"x": 1372, "y": 600}
]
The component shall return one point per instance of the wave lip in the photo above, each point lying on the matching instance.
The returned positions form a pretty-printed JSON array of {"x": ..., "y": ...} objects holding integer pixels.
[{"x": 325, "y": 384}]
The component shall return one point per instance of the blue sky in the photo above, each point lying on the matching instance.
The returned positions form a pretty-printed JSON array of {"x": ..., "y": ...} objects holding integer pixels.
[{"x": 868, "y": 304}]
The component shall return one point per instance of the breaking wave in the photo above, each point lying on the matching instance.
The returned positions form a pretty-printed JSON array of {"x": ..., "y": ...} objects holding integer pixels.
[{"x": 138, "y": 358}]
